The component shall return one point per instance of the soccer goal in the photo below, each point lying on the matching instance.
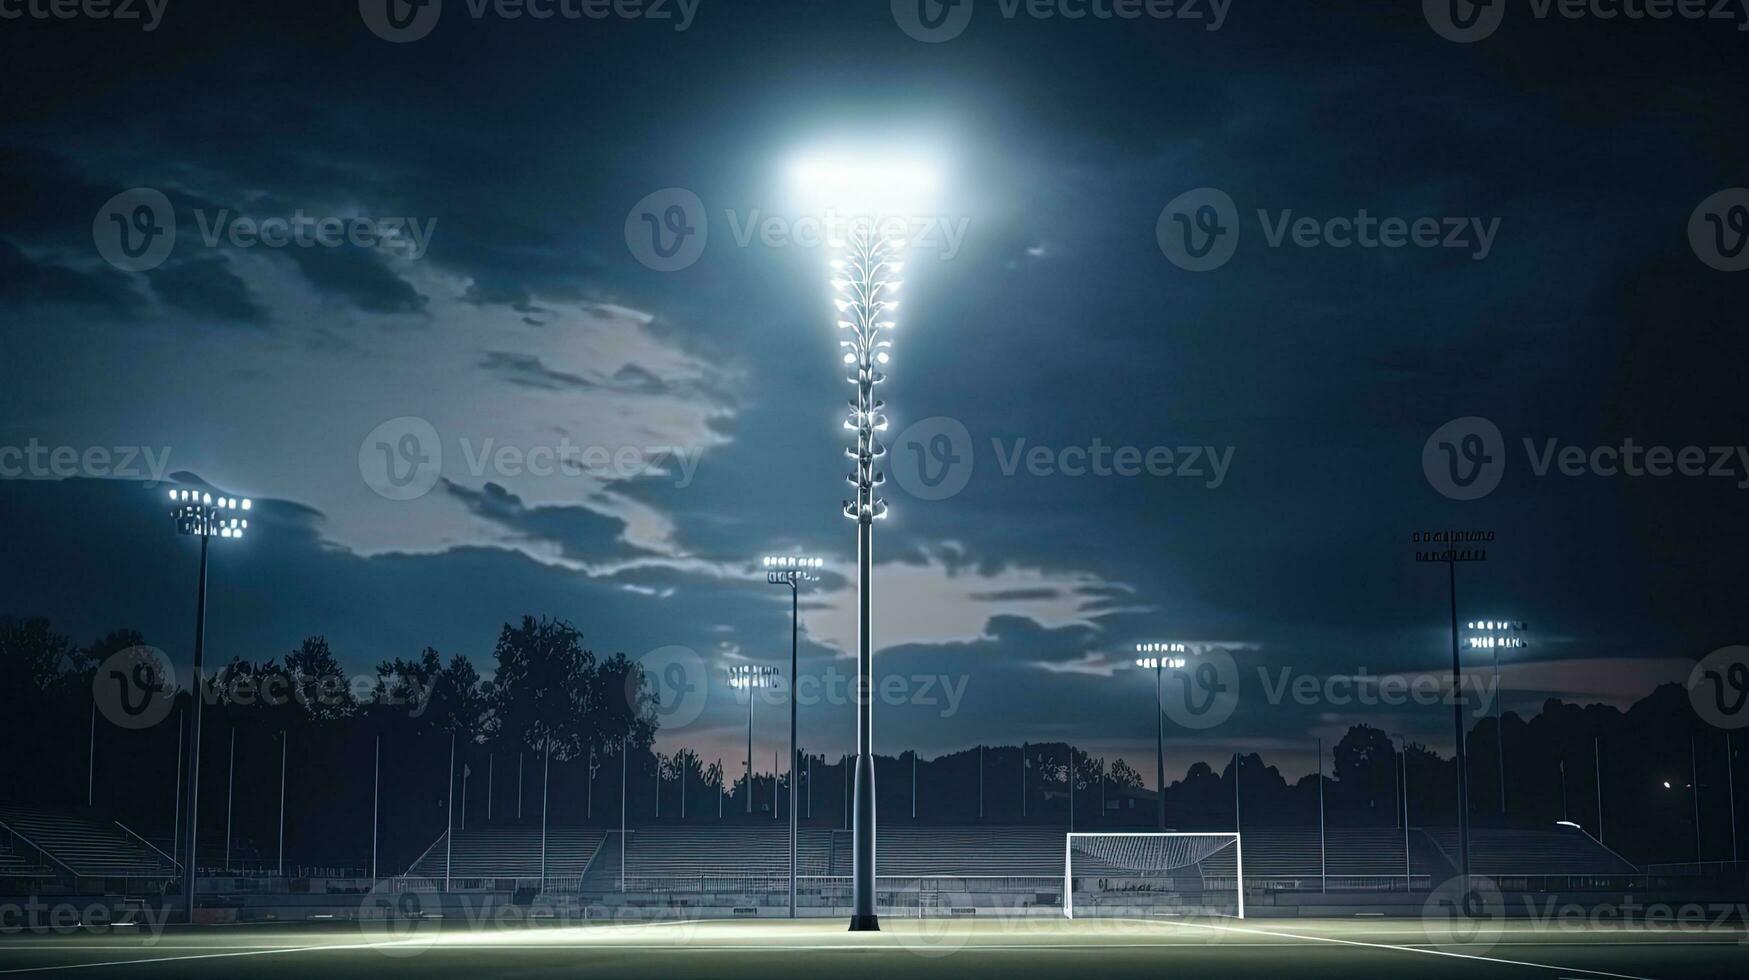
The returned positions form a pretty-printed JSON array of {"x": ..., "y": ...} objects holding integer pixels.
[{"x": 1140, "y": 875}]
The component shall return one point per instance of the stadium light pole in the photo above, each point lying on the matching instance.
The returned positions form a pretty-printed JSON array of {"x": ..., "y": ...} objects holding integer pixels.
[
  {"x": 792, "y": 570},
  {"x": 284, "y": 743},
  {"x": 1495, "y": 635},
  {"x": 875, "y": 189},
  {"x": 1158, "y": 657},
  {"x": 1450, "y": 549},
  {"x": 1403, "y": 763},
  {"x": 201, "y": 515},
  {"x": 750, "y": 678},
  {"x": 230, "y": 784}
]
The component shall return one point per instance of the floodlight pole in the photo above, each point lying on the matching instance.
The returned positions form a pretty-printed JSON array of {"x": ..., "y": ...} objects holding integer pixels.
[
  {"x": 193, "y": 788},
  {"x": 866, "y": 282},
  {"x": 1159, "y": 656},
  {"x": 794, "y": 679},
  {"x": 1450, "y": 555},
  {"x": 1160, "y": 744},
  {"x": 199, "y": 515}
]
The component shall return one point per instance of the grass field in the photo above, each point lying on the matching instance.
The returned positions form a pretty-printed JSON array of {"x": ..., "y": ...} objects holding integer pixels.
[{"x": 905, "y": 949}]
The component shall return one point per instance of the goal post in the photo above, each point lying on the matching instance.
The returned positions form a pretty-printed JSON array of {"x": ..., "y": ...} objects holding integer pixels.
[{"x": 1143, "y": 874}]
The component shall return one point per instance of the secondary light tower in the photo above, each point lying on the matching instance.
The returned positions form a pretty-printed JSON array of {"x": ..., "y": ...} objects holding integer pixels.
[
  {"x": 201, "y": 515},
  {"x": 792, "y": 570},
  {"x": 1494, "y": 635},
  {"x": 750, "y": 678},
  {"x": 1160, "y": 657}
]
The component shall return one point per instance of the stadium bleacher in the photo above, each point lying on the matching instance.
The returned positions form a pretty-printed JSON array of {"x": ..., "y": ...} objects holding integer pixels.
[
  {"x": 89, "y": 847},
  {"x": 511, "y": 852},
  {"x": 1562, "y": 851},
  {"x": 1293, "y": 852}
]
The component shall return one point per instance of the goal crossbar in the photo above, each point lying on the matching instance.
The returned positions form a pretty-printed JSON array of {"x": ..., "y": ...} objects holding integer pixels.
[{"x": 1170, "y": 851}]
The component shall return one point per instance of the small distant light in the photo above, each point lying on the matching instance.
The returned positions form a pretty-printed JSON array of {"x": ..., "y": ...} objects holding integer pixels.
[{"x": 247, "y": 503}]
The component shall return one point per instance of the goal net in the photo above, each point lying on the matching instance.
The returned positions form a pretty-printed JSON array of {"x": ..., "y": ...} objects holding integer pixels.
[{"x": 1139, "y": 875}]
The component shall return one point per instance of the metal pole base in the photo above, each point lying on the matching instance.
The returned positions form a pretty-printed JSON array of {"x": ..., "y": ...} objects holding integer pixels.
[{"x": 865, "y": 923}]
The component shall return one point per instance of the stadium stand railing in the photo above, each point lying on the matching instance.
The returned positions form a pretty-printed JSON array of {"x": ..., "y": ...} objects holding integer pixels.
[{"x": 84, "y": 848}]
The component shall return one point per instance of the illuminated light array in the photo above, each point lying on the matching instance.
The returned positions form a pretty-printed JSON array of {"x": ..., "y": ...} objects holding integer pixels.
[
  {"x": 747, "y": 676},
  {"x": 203, "y": 515},
  {"x": 865, "y": 283}
]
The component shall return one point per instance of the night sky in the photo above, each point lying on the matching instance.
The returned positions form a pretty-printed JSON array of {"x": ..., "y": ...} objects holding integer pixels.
[{"x": 518, "y": 311}]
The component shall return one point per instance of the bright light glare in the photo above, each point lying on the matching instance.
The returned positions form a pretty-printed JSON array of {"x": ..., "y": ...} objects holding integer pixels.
[{"x": 866, "y": 186}]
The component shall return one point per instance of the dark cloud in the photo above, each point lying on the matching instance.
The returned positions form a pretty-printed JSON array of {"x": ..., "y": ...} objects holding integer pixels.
[{"x": 207, "y": 288}]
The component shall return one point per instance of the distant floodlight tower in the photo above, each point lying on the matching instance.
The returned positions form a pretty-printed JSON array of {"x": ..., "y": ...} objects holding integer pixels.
[
  {"x": 1160, "y": 657},
  {"x": 204, "y": 516},
  {"x": 1494, "y": 635},
  {"x": 792, "y": 570},
  {"x": 750, "y": 678}
]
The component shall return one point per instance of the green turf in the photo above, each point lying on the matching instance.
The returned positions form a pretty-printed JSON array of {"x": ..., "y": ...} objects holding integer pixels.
[{"x": 906, "y": 949}]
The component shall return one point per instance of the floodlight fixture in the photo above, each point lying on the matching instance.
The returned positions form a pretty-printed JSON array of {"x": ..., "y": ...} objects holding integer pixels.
[{"x": 197, "y": 513}]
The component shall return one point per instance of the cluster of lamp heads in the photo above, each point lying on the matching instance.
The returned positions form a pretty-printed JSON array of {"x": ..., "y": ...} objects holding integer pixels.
[
  {"x": 789, "y": 569},
  {"x": 1497, "y": 634},
  {"x": 748, "y": 676},
  {"x": 1153, "y": 655},
  {"x": 202, "y": 514}
]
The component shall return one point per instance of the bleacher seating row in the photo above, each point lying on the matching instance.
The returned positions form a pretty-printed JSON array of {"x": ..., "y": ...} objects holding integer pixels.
[
  {"x": 996, "y": 851},
  {"x": 88, "y": 846},
  {"x": 1503, "y": 853},
  {"x": 511, "y": 852}
]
